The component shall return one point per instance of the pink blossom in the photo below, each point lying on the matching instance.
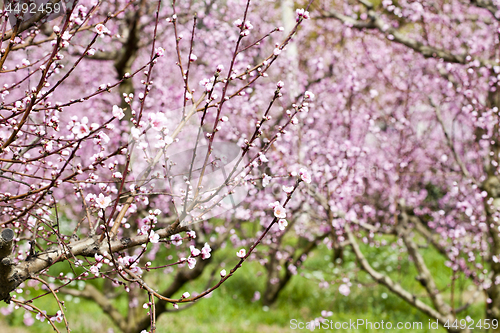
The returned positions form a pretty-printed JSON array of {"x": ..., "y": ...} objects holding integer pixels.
[
  {"x": 305, "y": 176},
  {"x": 154, "y": 237},
  {"x": 282, "y": 223},
  {"x": 157, "y": 121},
  {"x": 118, "y": 112},
  {"x": 168, "y": 140},
  {"x": 186, "y": 295},
  {"x": 66, "y": 35},
  {"x": 344, "y": 289},
  {"x": 223, "y": 273},
  {"x": 325, "y": 313},
  {"x": 7, "y": 310},
  {"x": 274, "y": 204},
  {"x": 103, "y": 201},
  {"x": 308, "y": 95},
  {"x": 191, "y": 262},
  {"x": 176, "y": 239},
  {"x": 159, "y": 51},
  {"x": 205, "y": 251},
  {"x": 265, "y": 180},
  {"x": 302, "y": 13},
  {"x": 248, "y": 25},
  {"x": 206, "y": 83},
  {"x": 279, "y": 212},
  {"x": 40, "y": 316},
  {"x": 256, "y": 296},
  {"x": 241, "y": 253},
  {"x": 58, "y": 317},
  {"x": 28, "y": 319},
  {"x": 95, "y": 269},
  {"x": 145, "y": 229},
  {"x": 103, "y": 137},
  {"x": 194, "y": 251},
  {"x": 81, "y": 130},
  {"x": 101, "y": 29},
  {"x": 31, "y": 221},
  {"x": 136, "y": 133},
  {"x": 91, "y": 197}
]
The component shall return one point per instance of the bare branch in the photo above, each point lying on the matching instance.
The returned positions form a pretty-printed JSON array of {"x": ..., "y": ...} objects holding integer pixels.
[
  {"x": 394, "y": 287},
  {"x": 428, "y": 235},
  {"x": 425, "y": 277}
]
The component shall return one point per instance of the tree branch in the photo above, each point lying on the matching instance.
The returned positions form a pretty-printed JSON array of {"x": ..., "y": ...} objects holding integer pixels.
[
  {"x": 425, "y": 277},
  {"x": 394, "y": 287},
  {"x": 376, "y": 23},
  {"x": 87, "y": 247}
]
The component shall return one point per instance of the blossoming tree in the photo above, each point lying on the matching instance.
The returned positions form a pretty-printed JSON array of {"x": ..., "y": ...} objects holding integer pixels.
[
  {"x": 409, "y": 156},
  {"x": 109, "y": 152},
  {"x": 396, "y": 150},
  {"x": 402, "y": 145}
]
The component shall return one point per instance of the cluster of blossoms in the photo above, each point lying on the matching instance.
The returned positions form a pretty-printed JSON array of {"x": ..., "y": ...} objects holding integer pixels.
[
  {"x": 244, "y": 26},
  {"x": 370, "y": 153},
  {"x": 205, "y": 254},
  {"x": 302, "y": 14},
  {"x": 126, "y": 262},
  {"x": 205, "y": 251},
  {"x": 97, "y": 161}
]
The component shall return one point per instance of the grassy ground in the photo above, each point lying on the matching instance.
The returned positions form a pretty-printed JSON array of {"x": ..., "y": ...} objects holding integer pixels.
[{"x": 230, "y": 308}]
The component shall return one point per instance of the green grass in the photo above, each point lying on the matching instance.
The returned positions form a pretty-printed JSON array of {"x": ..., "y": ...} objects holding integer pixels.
[{"x": 230, "y": 308}]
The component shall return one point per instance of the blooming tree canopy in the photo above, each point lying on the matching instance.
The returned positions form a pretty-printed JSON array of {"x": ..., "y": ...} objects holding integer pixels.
[{"x": 136, "y": 127}]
